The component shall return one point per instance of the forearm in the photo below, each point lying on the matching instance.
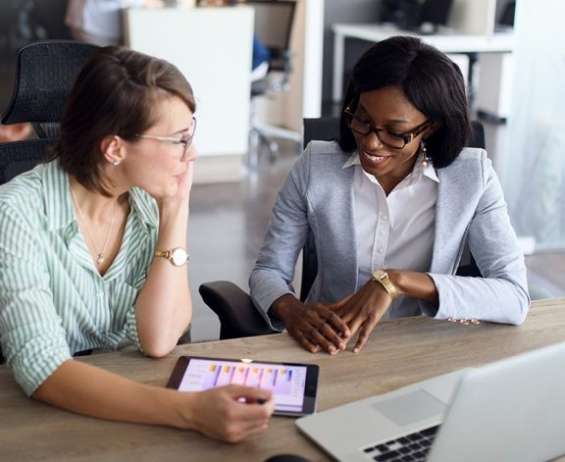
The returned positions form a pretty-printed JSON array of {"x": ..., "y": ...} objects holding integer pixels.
[
  {"x": 164, "y": 306},
  {"x": 415, "y": 285},
  {"x": 79, "y": 387}
]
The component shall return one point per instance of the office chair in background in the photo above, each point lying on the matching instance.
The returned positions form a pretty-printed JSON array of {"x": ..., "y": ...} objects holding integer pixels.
[
  {"x": 234, "y": 307},
  {"x": 45, "y": 73},
  {"x": 274, "y": 21}
]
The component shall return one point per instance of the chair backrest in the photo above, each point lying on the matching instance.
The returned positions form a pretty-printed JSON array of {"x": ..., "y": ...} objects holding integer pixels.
[
  {"x": 21, "y": 156},
  {"x": 326, "y": 129},
  {"x": 273, "y": 22},
  {"x": 45, "y": 74}
]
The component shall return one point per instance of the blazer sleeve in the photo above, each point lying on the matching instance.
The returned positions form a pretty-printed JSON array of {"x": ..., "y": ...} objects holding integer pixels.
[
  {"x": 273, "y": 273},
  {"x": 501, "y": 295}
]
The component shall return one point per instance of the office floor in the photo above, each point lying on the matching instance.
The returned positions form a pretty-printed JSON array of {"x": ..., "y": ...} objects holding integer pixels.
[{"x": 228, "y": 221}]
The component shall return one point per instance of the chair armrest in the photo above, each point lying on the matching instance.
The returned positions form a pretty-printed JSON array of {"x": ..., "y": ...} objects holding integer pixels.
[{"x": 238, "y": 315}]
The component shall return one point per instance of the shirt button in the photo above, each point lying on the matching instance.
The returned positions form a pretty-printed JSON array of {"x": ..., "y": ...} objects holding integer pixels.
[
  {"x": 101, "y": 294},
  {"x": 380, "y": 250}
]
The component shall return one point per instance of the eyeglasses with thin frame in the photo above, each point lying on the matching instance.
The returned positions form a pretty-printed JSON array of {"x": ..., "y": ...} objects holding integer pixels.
[
  {"x": 185, "y": 140},
  {"x": 386, "y": 137}
]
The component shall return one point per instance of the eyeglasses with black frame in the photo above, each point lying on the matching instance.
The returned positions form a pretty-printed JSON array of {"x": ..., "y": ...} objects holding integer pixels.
[
  {"x": 386, "y": 137},
  {"x": 184, "y": 140}
]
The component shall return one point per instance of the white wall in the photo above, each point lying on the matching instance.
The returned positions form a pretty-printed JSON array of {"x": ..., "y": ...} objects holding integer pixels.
[{"x": 304, "y": 99}]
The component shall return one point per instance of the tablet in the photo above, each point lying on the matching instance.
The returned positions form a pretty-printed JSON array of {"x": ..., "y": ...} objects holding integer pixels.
[{"x": 294, "y": 386}]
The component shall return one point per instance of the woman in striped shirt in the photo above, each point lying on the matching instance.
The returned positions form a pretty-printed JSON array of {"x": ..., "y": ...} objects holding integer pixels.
[{"x": 92, "y": 252}]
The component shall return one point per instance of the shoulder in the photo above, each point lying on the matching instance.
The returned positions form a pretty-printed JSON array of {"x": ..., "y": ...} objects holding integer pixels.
[
  {"x": 24, "y": 193},
  {"x": 325, "y": 152},
  {"x": 471, "y": 165},
  {"x": 321, "y": 157}
]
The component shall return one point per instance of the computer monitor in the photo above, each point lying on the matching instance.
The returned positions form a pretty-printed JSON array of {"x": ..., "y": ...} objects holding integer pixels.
[{"x": 435, "y": 12}]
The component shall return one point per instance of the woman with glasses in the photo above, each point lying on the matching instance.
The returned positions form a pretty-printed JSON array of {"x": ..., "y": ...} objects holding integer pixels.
[
  {"x": 392, "y": 206},
  {"x": 92, "y": 252}
]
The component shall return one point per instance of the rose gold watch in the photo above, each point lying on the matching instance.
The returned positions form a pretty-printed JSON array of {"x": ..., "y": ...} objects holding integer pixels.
[{"x": 177, "y": 256}]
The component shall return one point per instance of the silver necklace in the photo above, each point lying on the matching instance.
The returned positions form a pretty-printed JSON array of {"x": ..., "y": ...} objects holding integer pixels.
[{"x": 99, "y": 255}]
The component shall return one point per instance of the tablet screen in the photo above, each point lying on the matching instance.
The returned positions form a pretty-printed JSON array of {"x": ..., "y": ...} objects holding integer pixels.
[{"x": 289, "y": 383}]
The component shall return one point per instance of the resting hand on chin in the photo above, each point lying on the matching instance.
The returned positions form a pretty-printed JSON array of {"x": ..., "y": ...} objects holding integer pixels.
[{"x": 178, "y": 195}]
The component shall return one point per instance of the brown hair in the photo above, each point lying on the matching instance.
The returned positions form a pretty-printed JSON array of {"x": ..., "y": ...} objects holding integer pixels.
[{"x": 114, "y": 94}]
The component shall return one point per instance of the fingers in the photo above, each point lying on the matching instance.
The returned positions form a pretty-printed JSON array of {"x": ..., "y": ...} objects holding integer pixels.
[
  {"x": 251, "y": 394},
  {"x": 338, "y": 324},
  {"x": 366, "y": 329},
  {"x": 318, "y": 339},
  {"x": 304, "y": 342},
  {"x": 239, "y": 420}
]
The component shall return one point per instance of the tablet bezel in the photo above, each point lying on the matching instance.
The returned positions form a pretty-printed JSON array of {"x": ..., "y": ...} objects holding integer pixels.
[{"x": 310, "y": 387}]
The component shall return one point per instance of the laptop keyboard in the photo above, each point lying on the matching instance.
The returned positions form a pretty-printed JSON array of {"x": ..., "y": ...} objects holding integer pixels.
[{"x": 408, "y": 448}]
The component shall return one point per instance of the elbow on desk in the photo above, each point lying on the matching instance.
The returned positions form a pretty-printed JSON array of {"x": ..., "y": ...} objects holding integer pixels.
[
  {"x": 157, "y": 349},
  {"x": 520, "y": 313}
]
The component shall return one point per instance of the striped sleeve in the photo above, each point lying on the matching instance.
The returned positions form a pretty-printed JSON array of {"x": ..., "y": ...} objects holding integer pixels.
[{"x": 31, "y": 333}]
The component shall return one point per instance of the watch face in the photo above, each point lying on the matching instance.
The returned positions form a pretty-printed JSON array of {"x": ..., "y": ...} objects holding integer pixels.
[{"x": 178, "y": 257}]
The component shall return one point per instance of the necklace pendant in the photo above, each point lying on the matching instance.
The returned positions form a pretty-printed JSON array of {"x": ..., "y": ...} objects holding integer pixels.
[{"x": 99, "y": 259}]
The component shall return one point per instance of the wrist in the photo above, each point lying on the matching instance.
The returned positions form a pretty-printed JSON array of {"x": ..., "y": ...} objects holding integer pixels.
[
  {"x": 172, "y": 211},
  {"x": 166, "y": 406},
  {"x": 387, "y": 283},
  {"x": 377, "y": 290},
  {"x": 397, "y": 279},
  {"x": 182, "y": 410},
  {"x": 284, "y": 305}
]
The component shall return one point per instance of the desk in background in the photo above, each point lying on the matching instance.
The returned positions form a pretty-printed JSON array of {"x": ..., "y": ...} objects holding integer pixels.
[
  {"x": 446, "y": 42},
  {"x": 400, "y": 352}
]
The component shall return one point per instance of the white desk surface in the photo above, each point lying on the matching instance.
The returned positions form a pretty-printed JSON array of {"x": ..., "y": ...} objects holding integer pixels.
[{"x": 448, "y": 42}]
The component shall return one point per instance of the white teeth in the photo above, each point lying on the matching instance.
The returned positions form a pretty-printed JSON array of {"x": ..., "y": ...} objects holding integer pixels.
[{"x": 374, "y": 158}]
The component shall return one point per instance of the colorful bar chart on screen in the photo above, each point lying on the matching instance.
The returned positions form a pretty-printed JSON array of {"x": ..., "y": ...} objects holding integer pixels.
[{"x": 285, "y": 382}]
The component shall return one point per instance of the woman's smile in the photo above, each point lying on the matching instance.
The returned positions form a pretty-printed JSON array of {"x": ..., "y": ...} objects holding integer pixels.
[{"x": 375, "y": 159}]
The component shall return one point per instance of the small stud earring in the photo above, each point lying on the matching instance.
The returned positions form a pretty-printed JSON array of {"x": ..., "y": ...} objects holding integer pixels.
[
  {"x": 426, "y": 160},
  {"x": 115, "y": 162}
]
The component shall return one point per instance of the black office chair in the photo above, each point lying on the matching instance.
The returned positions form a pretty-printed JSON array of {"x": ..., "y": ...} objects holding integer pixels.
[
  {"x": 45, "y": 73},
  {"x": 234, "y": 307},
  {"x": 274, "y": 20}
]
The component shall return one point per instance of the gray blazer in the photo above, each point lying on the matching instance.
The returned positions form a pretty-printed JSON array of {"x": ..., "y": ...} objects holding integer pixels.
[{"x": 470, "y": 214}]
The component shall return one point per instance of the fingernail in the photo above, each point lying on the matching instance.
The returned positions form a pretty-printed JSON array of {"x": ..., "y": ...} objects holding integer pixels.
[{"x": 356, "y": 350}]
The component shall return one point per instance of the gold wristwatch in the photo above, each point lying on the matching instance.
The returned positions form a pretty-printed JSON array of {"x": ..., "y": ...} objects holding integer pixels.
[
  {"x": 177, "y": 256},
  {"x": 383, "y": 279}
]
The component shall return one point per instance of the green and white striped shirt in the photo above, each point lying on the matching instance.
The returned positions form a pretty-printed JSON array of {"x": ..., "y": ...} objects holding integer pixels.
[{"x": 53, "y": 301}]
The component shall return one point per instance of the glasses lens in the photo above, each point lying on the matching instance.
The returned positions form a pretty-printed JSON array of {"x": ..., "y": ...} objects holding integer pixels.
[
  {"x": 391, "y": 140},
  {"x": 359, "y": 126}
]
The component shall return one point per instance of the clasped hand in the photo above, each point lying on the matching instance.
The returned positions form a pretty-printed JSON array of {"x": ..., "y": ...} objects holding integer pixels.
[{"x": 331, "y": 327}]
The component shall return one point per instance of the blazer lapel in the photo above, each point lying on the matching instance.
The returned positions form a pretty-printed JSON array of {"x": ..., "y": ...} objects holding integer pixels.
[{"x": 449, "y": 226}]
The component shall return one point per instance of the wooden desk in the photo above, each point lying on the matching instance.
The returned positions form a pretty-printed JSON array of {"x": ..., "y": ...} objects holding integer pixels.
[
  {"x": 400, "y": 352},
  {"x": 502, "y": 42}
]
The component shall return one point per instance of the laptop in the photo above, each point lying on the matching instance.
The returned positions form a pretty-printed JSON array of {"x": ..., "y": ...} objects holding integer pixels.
[{"x": 509, "y": 410}]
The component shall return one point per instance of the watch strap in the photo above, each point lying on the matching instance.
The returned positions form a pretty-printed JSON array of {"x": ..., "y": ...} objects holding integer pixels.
[{"x": 383, "y": 279}]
